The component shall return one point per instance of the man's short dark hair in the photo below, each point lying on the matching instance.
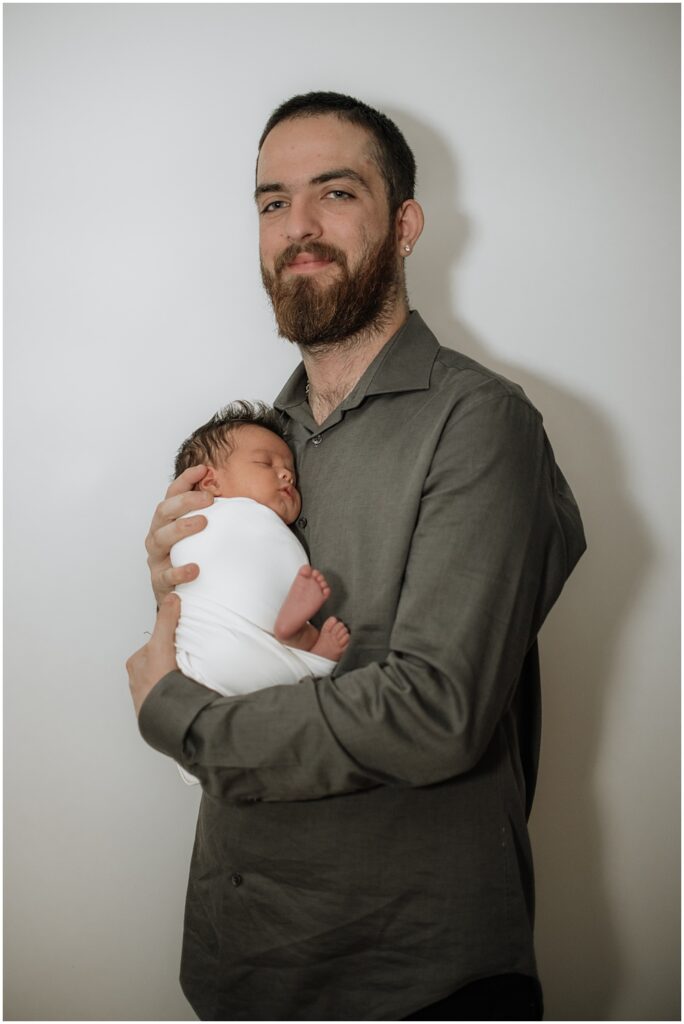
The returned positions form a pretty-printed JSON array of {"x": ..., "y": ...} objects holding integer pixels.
[
  {"x": 390, "y": 149},
  {"x": 212, "y": 442}
]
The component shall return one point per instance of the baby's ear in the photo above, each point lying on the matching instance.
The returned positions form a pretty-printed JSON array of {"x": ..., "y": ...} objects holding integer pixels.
[{"x": 209, "y": 482}]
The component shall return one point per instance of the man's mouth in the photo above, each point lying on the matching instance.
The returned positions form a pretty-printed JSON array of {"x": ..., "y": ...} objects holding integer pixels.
[
  {"x": 307, "y": 262},
  {"x": 300, "y": 260}
]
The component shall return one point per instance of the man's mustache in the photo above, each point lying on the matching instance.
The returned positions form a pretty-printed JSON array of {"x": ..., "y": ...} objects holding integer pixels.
[{"x": 319, "y": 250}]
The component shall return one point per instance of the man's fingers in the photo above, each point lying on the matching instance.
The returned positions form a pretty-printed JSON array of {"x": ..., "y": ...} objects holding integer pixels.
[
  {"x": 179, "y": 504},
  {"x": 172, "y": 508},
  {"x": 169, "y": 578},
  {"x": 186, "y": 481},
  {"x": 166, "y": 578},
  {"x": 167, "y": 618},
  {"x": 160, "y": 541},
  {"x": 167, "y": 528}
]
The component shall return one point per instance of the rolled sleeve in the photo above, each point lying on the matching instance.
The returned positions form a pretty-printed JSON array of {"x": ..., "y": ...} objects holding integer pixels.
[
  {"x": 169, "y": 710},
  {"x": 274, "y": 744}
]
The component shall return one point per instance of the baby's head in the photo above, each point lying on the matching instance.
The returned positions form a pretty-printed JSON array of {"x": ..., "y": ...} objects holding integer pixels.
[{"x": 245, "y": 451}]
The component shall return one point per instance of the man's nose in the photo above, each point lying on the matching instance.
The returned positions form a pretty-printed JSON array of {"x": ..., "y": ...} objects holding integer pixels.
[{"x": 303, "y": 220}]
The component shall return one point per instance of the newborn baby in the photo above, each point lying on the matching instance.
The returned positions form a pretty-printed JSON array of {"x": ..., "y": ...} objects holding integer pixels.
[{"x": 244, "y": 622}]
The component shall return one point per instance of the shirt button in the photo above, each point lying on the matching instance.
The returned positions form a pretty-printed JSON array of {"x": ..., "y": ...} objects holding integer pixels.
[
  {"x": 301, "y": 522},
  {"x": 316, "y": 440},
  {"x": 236, "y": 879}
]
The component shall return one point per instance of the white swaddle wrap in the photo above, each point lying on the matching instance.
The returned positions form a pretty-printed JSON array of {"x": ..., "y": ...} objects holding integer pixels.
[{"x": 248, "y": 559}]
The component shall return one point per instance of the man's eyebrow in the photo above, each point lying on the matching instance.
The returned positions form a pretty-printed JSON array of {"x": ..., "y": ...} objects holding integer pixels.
[
  {"x": 261, "y": 190},
  {"x": 340, "y": 172},
  {"x": 320, "y": 179}
]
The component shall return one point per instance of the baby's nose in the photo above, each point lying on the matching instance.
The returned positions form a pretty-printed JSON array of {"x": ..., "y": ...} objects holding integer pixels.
[{"x": 287, "y": 474}]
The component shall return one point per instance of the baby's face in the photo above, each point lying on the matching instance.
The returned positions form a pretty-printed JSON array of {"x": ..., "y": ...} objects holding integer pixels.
[{"x": 260, "y": 467}]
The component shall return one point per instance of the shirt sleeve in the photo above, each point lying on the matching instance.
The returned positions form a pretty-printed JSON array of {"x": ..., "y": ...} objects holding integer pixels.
[{"x": 497, "y": 535}]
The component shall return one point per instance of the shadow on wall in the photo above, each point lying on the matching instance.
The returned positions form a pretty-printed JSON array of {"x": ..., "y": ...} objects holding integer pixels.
[{"x": 577, "y": 938}]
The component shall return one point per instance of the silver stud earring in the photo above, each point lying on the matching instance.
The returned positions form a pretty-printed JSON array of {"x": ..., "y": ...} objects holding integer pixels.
[{"x": 407, "y": 248}]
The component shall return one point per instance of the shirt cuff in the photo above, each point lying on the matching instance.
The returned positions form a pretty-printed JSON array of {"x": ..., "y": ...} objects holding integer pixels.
[{"x": 169, "y": 710}]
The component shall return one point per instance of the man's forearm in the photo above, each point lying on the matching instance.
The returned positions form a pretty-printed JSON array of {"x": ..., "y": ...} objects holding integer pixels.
[{"x": 273, "y": 744}]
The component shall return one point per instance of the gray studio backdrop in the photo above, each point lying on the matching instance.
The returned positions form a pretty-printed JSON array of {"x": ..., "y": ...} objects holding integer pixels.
[{"x": 547, "y": 143}]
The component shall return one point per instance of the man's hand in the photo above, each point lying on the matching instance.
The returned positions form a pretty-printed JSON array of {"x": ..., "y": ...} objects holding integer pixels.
[
  {"x": 152, "y": 662},
  {"x": 166, "y": 529}
]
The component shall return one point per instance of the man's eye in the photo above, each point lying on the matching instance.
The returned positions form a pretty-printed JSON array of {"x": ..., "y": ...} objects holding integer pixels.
[
  {"x": 271, "y": 207},
  {"x": 338, "y": 193}
]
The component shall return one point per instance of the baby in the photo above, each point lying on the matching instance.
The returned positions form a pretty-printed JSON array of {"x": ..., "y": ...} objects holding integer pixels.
[{"x": 244, "y": 622}]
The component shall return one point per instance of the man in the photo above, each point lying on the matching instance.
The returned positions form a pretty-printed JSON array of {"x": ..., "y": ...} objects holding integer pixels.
[{"x": 361, "y": 849}]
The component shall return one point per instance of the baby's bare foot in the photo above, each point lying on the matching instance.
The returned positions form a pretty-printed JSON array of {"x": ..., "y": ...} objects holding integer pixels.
[
  {"x": 306, "y": 596},
  {"x": 333, "y": 640}
]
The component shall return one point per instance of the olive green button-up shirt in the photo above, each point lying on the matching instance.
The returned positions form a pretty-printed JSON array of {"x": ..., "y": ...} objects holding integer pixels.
[{"x": 362, "y": 847}]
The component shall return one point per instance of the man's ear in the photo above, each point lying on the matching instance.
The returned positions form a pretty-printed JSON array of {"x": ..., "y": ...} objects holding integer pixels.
[
  {"x": 209, "y": 482},
  {"x": 410, "y": 221}
]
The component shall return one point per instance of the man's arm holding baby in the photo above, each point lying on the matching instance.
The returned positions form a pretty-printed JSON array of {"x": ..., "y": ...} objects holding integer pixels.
[{"x": 264, "y": 762}]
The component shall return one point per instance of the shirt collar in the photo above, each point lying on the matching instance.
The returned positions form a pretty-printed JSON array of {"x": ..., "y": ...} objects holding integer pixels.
[{"x": 403, "y": 364}]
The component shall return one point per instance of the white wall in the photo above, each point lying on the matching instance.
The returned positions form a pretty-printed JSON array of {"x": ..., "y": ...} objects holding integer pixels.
[{"x": 547, "y": 143}]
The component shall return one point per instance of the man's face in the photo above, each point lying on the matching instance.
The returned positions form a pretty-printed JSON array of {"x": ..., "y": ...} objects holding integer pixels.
[
  {"x": 329, "y": 254},
  {"x": 260, "y": 467}
]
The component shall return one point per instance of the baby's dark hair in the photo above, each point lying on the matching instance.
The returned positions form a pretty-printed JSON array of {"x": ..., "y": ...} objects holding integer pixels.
[{"x": 211, "y": 443}]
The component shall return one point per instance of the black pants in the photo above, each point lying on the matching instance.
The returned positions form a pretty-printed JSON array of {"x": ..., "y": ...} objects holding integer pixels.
[{"x": 503, "y": 997}]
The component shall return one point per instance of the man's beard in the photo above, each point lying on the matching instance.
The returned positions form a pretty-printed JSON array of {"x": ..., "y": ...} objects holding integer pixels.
[{"x": 312, "y": 313}]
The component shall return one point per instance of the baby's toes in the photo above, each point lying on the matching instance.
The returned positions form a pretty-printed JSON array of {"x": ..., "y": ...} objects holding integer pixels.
[
  {"x": 341, "y": 634},
  {"x": 320, "y": 579}
]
